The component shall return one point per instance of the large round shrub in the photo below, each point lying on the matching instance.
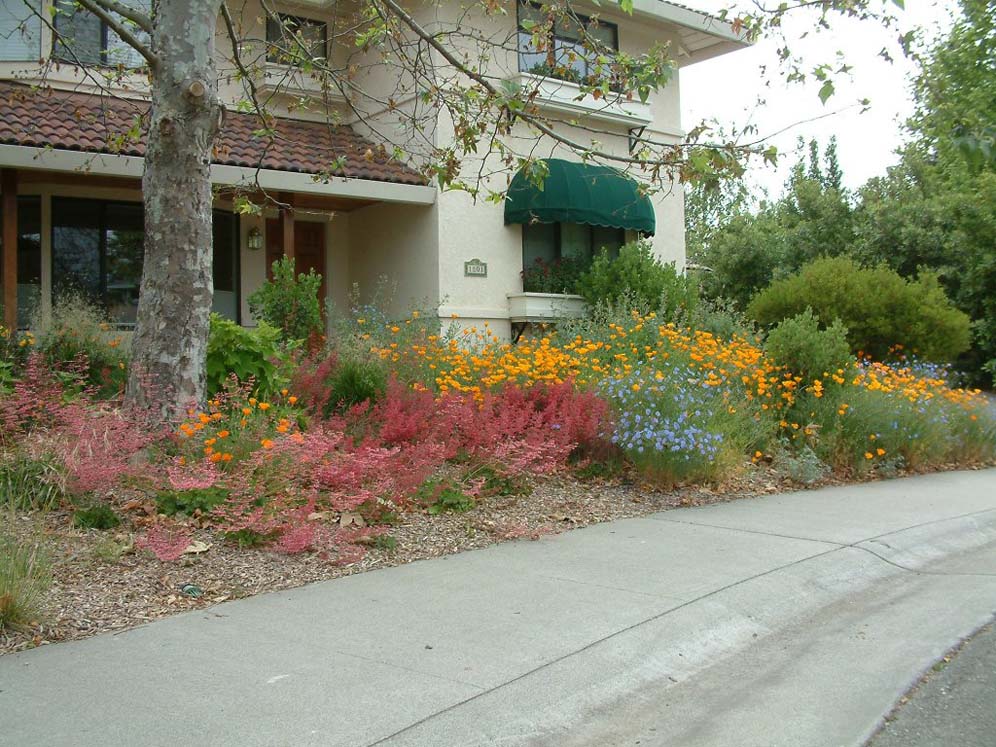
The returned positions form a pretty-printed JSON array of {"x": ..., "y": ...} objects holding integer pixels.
[
  {"x": 879, "y": 308},
  {"x": 638, "y": 276},
  {"x": 803, "y": 348}
]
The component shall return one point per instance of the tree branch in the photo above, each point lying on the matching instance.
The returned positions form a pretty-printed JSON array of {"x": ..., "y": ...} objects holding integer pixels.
[
  {"x": 137, "y": 17},
  {"x": 481, "y": 80},
  {"x": 97, "y": 7}
]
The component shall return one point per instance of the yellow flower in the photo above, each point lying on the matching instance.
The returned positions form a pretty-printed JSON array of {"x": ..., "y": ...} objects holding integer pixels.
[
  {"x": 264, "y": 406},
  {"x": 266, "y": 443},
  {"x": 869, "y": 455}
]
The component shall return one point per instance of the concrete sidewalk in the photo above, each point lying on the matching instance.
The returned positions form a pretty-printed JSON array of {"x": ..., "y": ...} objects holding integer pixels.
[{"x": 794, "y": 619}]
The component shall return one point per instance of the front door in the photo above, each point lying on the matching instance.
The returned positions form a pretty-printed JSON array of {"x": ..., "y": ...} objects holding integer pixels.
[{"x": 309, "y": 250}]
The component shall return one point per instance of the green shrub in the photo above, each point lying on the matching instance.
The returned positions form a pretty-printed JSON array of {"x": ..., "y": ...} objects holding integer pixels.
[
  {"x": 96, "y": 517},
  {"x": 352, "y": 381},
  {"x": 25, "y": 575},
  {"x": 289, "y": 303},
  {"x": 801, "y": 466},
  {"x": 190, "y": 501},
  {"x": 722, "y": 318},
  {"x": 443, "y": 496},
  {"x": 78, "y": 339},
  {"x": 879, "y": 308},
  {"x": 30, "y": 484},
  {"x": 246, "y": 353},
  {"x": 803, "y": 348},
  {"x": 638, "y": 276}
]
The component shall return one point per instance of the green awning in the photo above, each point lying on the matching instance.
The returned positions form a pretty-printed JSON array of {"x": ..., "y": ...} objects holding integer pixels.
[{"x": 580, "y": 193}]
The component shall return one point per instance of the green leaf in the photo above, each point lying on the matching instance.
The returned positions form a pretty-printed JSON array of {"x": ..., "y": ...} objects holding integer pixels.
[
  {"x": 826, "y": 91},
  {"x": 627, "y": 6}
]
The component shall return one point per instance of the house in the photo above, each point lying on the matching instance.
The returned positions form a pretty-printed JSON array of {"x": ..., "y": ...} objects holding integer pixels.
[{"x": 326, "y": 188}]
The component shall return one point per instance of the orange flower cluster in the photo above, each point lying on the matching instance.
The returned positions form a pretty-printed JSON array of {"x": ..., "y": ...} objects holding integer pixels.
[
  {"x": 880, "y": 377},
  {"x": 223, "y": 430},
  {"x": 475, "y": 360}
]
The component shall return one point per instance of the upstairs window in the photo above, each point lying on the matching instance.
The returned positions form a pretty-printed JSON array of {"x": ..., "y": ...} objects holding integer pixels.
[
  {"x": 296, "y": 41},
  {"x": 20, "y": 30},
  {"x": 81, "y": 38},
  {"x": 563, "y": 55}
]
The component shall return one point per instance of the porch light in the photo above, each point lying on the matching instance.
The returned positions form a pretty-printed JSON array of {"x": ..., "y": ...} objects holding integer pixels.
[{"x": 254, "y": 239}]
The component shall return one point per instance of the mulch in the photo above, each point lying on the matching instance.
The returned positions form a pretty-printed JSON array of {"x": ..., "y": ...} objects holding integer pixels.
[{"x": 101, "y": 583}]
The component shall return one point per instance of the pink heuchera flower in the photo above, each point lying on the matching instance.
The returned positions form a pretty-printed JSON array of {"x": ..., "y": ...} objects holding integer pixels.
[
  {"x": 194, "y": 477},
  {"x": 165, "y": 542}
]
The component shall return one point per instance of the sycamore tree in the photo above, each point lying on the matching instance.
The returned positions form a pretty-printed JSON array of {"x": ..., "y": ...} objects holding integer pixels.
[{"x": 446, "y": 80}]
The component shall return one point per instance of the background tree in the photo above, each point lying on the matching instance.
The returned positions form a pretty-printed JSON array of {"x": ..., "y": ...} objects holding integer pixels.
[
  {"x": 747, "y": 250},
  {"x": 935, "y": 210}
]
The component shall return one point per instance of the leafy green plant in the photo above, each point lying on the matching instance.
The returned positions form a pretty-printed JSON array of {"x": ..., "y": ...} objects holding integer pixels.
[
  {"x": 99, "y": 516},
  {"x": 248, "y": 538},
  {"x": 190, "y": 501},
  {"x": 803, "y": 348},
  {"x": 25, "y": 576},
  {"x": 30, "y": 484},
  {"x": 497, "y": 483},
  {"x": 801, "y": 466},
  {"x": 560, "y": 276},
  {"x": 288, "y": 302},
  {"x": 638, "y": 276},
  {"x": 244, "y": 353},
  {"x": 879, "y": 308},
  {"x": 385, "y": 542},
  {"x": 442, "y": 496},
  {"x": 600, "y": 469}
]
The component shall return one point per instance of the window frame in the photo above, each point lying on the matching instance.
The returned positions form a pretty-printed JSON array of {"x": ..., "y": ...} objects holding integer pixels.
[
  {"x": 584, "y": 20},
  {"x": 301, "y": 22},
  {"x": 105, "y": 32}
]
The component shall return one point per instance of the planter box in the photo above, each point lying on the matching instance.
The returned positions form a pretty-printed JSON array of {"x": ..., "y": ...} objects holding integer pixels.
[{"x": 544, "y": 307}]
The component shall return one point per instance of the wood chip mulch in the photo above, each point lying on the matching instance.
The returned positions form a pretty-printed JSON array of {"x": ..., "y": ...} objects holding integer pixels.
[{"x": 102, "y": 584}]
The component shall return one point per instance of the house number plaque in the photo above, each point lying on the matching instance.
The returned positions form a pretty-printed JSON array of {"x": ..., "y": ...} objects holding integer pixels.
[{"x": 475, "y": 268}]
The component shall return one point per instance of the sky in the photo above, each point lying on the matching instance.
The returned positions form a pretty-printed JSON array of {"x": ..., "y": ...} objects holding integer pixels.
[{"x": 727, "y": 88}]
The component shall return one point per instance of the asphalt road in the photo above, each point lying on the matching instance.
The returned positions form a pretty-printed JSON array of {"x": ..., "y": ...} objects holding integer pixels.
[{"x": 954, "y": 705}]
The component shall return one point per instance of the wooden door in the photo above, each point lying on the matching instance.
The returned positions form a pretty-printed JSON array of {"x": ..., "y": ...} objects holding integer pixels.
[{"x": 309, "y": 250}]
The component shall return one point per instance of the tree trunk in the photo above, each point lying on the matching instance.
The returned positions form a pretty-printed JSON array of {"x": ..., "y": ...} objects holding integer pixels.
[{"x": 170, "y": 343}]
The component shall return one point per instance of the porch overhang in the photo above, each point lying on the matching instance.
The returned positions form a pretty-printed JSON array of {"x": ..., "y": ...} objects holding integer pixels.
[
  {"x": 701, "y": 36},
  {"x": 250, "y": 179}
]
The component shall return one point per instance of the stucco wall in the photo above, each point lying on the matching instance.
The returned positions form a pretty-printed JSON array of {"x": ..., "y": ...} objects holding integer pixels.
[
  {"x": 398, "y": 243},
  {"x": 470, "y": 229}
]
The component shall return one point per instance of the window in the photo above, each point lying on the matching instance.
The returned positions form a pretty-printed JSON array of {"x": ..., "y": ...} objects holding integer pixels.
[
  {"x": 20, "y": 30},
  {"x": 550, "y": 242},
  {"x": 564, "y": 55},
  {"x": 83, "y": 38},
  {"x": 98, "y": 249},
  {"x": 291, "y": 40}
]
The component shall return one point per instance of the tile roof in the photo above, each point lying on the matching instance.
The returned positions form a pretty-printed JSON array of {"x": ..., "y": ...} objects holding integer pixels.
[{"x": 68, "y": 120}]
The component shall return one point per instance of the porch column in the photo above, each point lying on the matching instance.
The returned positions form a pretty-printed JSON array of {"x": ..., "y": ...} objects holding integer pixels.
[
  {"x": 287, "y": 223},
  {"x": 8, "y": 207}
]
